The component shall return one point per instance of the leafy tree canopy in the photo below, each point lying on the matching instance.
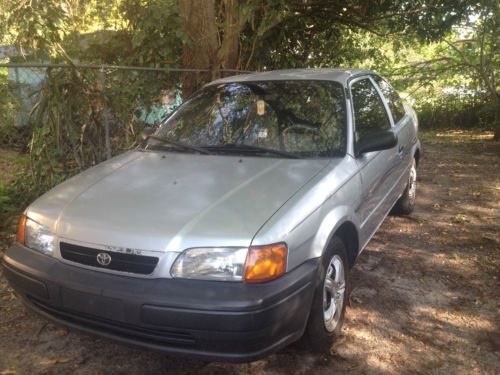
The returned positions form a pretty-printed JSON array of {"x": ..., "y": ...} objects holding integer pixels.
[{"x": 417, "y": 42}]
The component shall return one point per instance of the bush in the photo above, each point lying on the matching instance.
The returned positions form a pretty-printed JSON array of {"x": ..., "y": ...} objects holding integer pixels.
[
  {"x": 10, "y": 135},
  {"x": 450, "y": 111},
  {"x": 15, "y": 195}
]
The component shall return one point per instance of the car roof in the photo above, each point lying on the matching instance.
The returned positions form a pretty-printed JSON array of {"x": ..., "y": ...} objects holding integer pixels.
[{"x": 325, "y": 74}]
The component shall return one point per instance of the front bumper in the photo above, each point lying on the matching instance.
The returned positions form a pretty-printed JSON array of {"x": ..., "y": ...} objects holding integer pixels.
[{"x": 203, "y": 319}]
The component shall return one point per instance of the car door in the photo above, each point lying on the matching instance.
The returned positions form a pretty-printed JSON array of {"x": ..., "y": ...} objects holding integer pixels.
[
  {"x": 402, "y": 127},
  {"x": 378, "y": 169}
]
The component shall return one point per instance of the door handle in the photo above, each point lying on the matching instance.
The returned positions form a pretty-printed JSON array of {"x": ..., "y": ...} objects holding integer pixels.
[{"x": 401, "y": 150}]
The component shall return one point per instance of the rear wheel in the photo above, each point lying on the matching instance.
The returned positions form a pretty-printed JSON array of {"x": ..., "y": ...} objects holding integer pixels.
[
  {"x": 328, "y": 307},
  {"x": 406, "y": 203}
]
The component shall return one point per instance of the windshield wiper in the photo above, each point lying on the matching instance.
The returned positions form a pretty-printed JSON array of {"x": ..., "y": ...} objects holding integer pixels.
[
  {"x": 241, "y": 147},
  {"x": 180, "y": 145}
]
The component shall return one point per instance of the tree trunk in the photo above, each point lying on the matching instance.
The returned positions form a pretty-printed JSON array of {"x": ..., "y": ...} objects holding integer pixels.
[
  {"x": 214, "y": 28},
  {"x": 496, "y": 118},
  {"x": 199, "y": 24},
  {"x": 235, "y": 19},
  {"x": 496, "y": 135}
]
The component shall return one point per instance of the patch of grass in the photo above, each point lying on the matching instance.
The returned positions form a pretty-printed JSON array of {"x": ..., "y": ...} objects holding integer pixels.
[
  {"x": 460, "y": 218},
  {"x": 12, "y": 165},
  {"x": 448, "y": 136}
]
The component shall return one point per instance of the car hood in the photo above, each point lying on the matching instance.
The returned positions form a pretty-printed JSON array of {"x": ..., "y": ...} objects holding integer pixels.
[{"x": 172, "y": 201}]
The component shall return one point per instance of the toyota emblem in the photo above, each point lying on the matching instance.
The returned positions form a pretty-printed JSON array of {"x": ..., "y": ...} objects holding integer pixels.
[{"x": 103, "y": 259}]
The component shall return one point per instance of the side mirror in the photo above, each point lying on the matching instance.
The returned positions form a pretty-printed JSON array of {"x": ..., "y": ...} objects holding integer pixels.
[{"x": 376, "y": 141}]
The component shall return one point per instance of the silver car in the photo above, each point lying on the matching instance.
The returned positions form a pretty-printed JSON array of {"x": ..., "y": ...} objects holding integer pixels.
[{"x": 230, "y": 232}]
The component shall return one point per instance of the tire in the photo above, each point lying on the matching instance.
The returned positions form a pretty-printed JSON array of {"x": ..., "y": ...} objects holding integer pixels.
[
  {"x": 406, "y": 203},
  {"x": 321, "y": 332}
]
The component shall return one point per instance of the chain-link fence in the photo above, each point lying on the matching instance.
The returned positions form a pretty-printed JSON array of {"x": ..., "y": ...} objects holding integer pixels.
[{"x": 93, "y": 111}]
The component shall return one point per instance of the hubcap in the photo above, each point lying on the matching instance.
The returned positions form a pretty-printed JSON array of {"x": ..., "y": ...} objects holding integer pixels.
[
  {"x": 333, "y": 293},
  {"x": 412, "y": 184}
]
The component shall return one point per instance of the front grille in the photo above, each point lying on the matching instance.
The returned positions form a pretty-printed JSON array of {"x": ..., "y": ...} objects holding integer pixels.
[{"x": 132, "y": 263}]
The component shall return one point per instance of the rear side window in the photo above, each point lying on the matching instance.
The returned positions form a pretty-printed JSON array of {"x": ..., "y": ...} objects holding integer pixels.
[
  {"x": 369, "y": 110},
  {"x": 395, "y": 103}
]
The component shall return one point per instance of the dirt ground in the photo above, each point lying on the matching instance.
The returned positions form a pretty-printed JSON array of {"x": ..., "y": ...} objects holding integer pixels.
[{"x": 424, "y": 294}]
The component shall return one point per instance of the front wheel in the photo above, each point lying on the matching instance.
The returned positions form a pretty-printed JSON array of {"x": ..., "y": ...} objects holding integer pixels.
[
  {"x": 329, "y": 302},
  {"x": 406, "y": 203}
]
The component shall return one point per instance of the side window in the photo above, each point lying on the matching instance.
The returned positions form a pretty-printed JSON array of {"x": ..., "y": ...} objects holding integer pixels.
[
  {"x": 392, "y": 97},
  {"x": 369, "y": 110}
]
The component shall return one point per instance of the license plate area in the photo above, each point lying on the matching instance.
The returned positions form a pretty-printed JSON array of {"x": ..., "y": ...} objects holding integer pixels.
[{"x": 92, "y": 304}]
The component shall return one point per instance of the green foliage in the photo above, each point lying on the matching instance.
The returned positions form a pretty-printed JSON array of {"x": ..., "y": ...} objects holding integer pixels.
[
  {"x": 14, "y": 197},
  {"x": 454, "y": 81},
  {"x": 156, "y": 32},
  {"x": 316, "y": 32},
  {"x": 38, "y": 25},
  {"x": 449, "y": 111},
  {"x": 4, "y": 16},
  {"x": 10, "y": 136},
  {"x": 68, "y": 119},
  {"x": 16, "y": 189},
  {"x": 466, "y": 57},
  {"x": 66, "y": 125}
]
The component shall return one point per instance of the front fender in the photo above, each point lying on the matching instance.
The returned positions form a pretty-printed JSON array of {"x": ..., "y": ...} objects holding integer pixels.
[
  {"x": 307, "y": 221},
  {"x": 328, "y": 227}
]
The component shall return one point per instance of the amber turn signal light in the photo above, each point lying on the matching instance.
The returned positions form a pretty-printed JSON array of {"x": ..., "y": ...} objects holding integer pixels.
[
  {"x": 265, "y": 263},
  {"x": 21, "y": 229}
]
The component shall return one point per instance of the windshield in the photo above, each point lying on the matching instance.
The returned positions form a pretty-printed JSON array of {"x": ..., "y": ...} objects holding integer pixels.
[{"x": 294, "y": 118}]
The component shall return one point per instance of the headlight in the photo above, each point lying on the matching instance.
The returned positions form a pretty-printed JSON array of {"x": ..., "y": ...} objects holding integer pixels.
[
  {"x": 220, "y": 263},
  {"x": 256, "y": 264},
  {"x": 35, "y": 236}
]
